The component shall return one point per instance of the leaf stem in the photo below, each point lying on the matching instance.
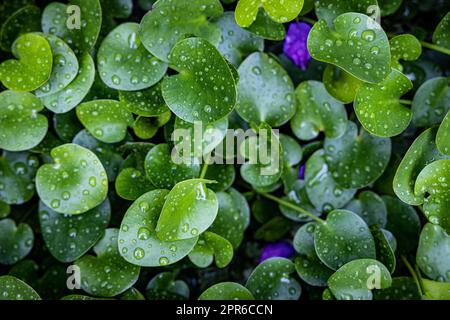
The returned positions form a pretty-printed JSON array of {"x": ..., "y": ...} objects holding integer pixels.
[
  {"x": 408, "y": 102},
  {"x": 414, "y": 275},
  {"x": 435, "y": 47},
  {"x": 291, "y": 206},
  {"x": 309, "y": 20},
  {"x": 205, "y": 166}
]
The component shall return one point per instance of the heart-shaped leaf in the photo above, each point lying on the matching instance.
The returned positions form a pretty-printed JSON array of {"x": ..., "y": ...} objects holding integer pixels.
[
  {"x": 54, "y": 21},
  {"x": 370, "y": 63},
  {"x": 22, "y": 126},
  {"x": 12, "y": 288},
  {"x": 106, "y": 120},
  {"x": 430, "y": 102},
  {"x": 379, "y": 107},
  {"x": 370, "y": 207},
  {"x": 271, "y": 281},
  {"x": 124, "y": 63},
  {"x": 331, "y": 9},
  {"x": 107, "y": 274},
  {"x": 33, "y": 67},
  {"x": 226, "y": 291},
  {"x": 164, "y": 287},
  {"x": 317, "y": 111},
  {"x": 138, "y": 242},
  {"x": 343, "y": 237},
  {"x": 65, "y": 100},
  {"x": 145, "y": 103},
  {"x": 356, "y": 279},
  {"x": 384, "y": 248},
  {"x": 211, "y": 246},
  {"x": 441, "y": 33},
  {"x": 204, "y": 90},
  {"x": 26, "y": 19},
  {"x": 171, "y": 20},
  {"x": 357, "y": 159},
  {"x": 17, "y": 171},
  {"x": 189, "y": 210},
  {"x": 433, "y": 253},
  {"x": 404, "y": 47},
  {"x": 70, "y": 237},
  {"x": 341, "y": 84},
  {"x": 443, "y": 136},
  {"x": 266, "y": 28},
  {"x": 75, "y": 183},
  {"x": 16, "y": 242},
  {"x": 323, "y": 191},
  {"x": 402, "y": 288},
  {"x": 266, "y": 93},
  {"x": 279, "y": 11}
]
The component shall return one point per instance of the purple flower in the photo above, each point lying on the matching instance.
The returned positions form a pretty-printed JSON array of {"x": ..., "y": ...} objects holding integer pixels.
[
  {"x": 301, "y": 172},
  {"x": 276, "y": 249},
  {"x": 295, "y": 47}
]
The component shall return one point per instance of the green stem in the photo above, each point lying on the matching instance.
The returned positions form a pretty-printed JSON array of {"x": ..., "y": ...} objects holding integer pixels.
[
  {"x": 408, "y": 102},
  {"x": 414, "y": 275},
  {"x": 435, "y": 47},
  {"x": 306, "y": 19},
  {"x": 291, "y": 206},
  {"x": 205, "y": 167}
]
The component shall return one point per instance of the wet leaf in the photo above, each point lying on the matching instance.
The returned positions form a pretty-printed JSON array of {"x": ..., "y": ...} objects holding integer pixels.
[{"x": 16, "y": 241}]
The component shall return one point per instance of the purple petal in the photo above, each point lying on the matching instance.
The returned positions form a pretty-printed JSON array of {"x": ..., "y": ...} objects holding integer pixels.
[
  {"x": 281, "y": 249},
  {"x": 295, "y": 44},
  {"x": 301, "y": 172}
]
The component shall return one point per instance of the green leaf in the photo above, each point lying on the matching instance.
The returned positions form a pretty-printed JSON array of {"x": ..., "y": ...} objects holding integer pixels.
[
  {"x": 331, "y": 9},
  {"x": 67, "y": 125},
  {"x": 33, "y": 65},
  {"x": 323, "y": 191},
  {"x": 379, "y": 107},
  {"x": 370, "y": 63},
  {"x": 271, "y": 281},
  {"x": 430, "y": 102},
  {"x": 226, "y": 291},
  {"x": 389, "y": 7},
  {"x": 16, "y": 242},
  {"x": 24, "y": 20},
  {"x": 145, "y": 103},
  {"x": 164, "y": 287},
  {"x": 223, "y": 174},
  {"x": 402, "y": 288},
  {"x": 317, "y": 111},
  {"x": 75, "y": 183},
  {"x": 17, "y": 171},
  {"x": 121, "y": 9},
  {"x": 12, "y": 288},
  {"x": 106, "y": 120},
  {"x": 299, "y": 197},
  {"x": 209, "y": 247},
  {"x": 266, "y": 28},
  {"x": 172, "y": 20},
  {"x": 124, "y": 63},
  {"x": 5, "y": 209},
  {"x": 189, "y": 210},
  {"x": 436, "y": 290},
  {"x": 273, "y": 230},
  {"x": 81, "y": 40},
  {"x": 22, "y": 126},
  {"x": 356, "y": 279},
  {"x": 433, "y": 252},
  {"x": 266, "y": 93},
  {"x": 442, "y": 32},
  {"x": 292, "y": 151},
  {"x": 132, "y": 294},
  {"x": 138, "y": 241},
  {"x": 70, "y": 237},
  {"x": 443, "y": 136},
  {"x": 404, "y": 47},
  {"x": 204, "y": 90},
  {"x": 311, "y": 270},
  {"x": 279, "y": 11},
  {"x": 107, "y": 274},
  {"x": 131, "y": 183},
  {"x": 236, "y": 43},
  {"x": 343, "y": 237},
  {"x": 357, "y": 159},
  {"x": 65, "y": 100},
  {"x": 385, "y": 252},
  {"x": 340, "y": 84},
  {"x": 370, "y": 207}
]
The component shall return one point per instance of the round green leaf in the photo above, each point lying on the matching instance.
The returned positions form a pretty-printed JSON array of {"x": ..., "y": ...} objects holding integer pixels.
[
  {"x": 214, "y": 246},
  {"x": 357, "y": 159},
  {"x": 340, "y": 84},
  {"x": 131, "y": 183},
  {"x": 331, "y": 9},
  {"x": 16, "y": 242},
  {"x": 226, "y": 291},
  {"x": 121, "y": 9},
  {"x": 441, "y": 34},
  {"x": 22, "y": 126},
  {"x": 69, "y": 237},
  {"x": 379, "y": 108},
  {"x": 164, "y": 287},
  {"x": 55, "y": 20},
  {"x": 433, "y": 253},
  {"x": 317, "y": 111},
  {"x": 384, "y": 251},
  {"x": 145, "y": 103},
  {"x": 171, "y": 20},
  {"x": 204, "y": 90},
  {"x": 279, "y": 11},
  {"x": 75, "y": 183},
  {"x": 404, "y": 47},
  {"x": 343, "y": 237},
  {"x": 33, "y": 66},
  {"x": 443, "y": 136},
  {"x": 402, "y": 288},
  {"x": 189, "y": 210},
  {"x": 223, "y": 174},
  {"x": 356, "y": 279},
  {"x": 138, "y": 242},
  {"x": 266, "y": 28},
  {"x": 292, "y": 151},
  {"x": 323, "y": 191},
  {"x": 311, "y": 270},
  {"x": 266, "y": 93},
  {"x": 370, "y": 207},
  {"x": 106, "y": 120},
  {"x": 370, "y": 63},
  {"x": 124, "y": 63},
  {"x": 12, "y": 288},
  {"x": 388, "y": 7},
  {"x": 107, "y": 274},
  {"x": 68, "y": 98}
]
